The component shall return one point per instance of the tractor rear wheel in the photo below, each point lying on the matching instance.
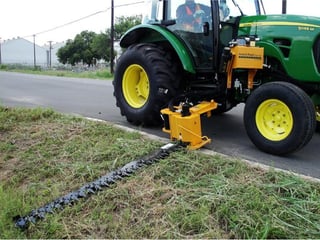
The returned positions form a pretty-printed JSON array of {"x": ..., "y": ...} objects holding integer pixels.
[
  {"x": 279, "y": 118},
  {"x": 145, "y": 80}
]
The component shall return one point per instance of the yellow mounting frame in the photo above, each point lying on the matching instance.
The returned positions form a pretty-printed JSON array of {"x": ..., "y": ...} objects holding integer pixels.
[
  {"x": 245, "y": 57},
  {"x": 187, "y": 129}
]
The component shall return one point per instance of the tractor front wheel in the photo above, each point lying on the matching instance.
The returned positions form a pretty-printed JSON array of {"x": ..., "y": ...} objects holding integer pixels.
[
  {"x": 279, "y": 118},
  {"x": 145, "y": 80},
  {"x": 318, "y": 117}
]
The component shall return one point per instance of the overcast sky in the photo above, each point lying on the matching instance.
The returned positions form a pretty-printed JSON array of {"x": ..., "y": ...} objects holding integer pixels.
[{"x": 24, "y": 18}]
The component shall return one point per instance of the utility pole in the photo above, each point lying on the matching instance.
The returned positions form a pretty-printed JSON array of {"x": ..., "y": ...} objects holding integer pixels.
[
  {"x": 284, "y": 6},
  {"x": 50, "y": 48},
  {"x": 0, "y": 53},
  {"x": 34, "y": 52},
  {"x": 112, "y": 37}
]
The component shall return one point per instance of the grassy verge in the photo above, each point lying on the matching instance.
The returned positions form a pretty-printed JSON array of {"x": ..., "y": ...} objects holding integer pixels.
[
  {"x": 44, "y": 155},
  {"x": 98, "y": 74}
]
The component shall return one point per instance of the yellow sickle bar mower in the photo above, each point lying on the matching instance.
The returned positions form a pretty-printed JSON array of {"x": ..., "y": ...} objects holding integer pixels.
[{"x": 183, "y": 122}]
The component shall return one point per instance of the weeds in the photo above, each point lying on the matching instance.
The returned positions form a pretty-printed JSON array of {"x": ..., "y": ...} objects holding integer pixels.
[{"x": 44, "y": 155}]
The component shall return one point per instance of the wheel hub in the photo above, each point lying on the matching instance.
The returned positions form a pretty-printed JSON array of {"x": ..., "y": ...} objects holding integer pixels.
[
  {"x": 135, "y": 86},
  {"x": 274, "y": 120}
]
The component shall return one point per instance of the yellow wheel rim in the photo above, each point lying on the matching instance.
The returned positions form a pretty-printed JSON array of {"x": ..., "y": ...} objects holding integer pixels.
[
  {"x": 135, "y": 86},
  {"x": 274, "y": 120},
  {"x": 318, "y": 113}
]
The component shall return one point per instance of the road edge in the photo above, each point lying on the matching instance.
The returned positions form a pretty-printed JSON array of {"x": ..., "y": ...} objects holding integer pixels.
[{"x": 209, "y": 152}]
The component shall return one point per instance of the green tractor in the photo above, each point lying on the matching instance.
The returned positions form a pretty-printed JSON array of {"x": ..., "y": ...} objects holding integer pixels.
[{"x": 182, "y": 53}]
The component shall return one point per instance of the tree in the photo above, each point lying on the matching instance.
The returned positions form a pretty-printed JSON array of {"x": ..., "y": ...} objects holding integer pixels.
[
  {"x": 89, "y": 46},
  {"x": 65, "y": 52},
  {"x": 123, "y": 24},
  {"x": 79, "y": 50},
  {"x": 101, "y": 45}
]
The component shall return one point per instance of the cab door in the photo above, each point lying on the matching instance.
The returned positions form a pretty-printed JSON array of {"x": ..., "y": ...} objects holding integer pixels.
[{"x": 195, "y": 26}]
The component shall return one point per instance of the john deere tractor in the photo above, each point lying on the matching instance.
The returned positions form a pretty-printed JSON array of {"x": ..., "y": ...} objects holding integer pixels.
[{"x": 215, "y": 54}]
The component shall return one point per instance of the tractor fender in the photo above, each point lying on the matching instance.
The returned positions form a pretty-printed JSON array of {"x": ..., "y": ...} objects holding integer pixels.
[
  {"x": 156, "y": 33},
  {"x": 270, "y": 50}
]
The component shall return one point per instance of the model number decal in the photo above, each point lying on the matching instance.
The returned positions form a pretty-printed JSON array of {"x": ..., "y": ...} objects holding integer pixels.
[{"x": 304, "y": 28}]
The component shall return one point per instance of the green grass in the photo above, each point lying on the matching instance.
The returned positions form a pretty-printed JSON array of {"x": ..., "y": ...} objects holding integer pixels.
[
  {"x": 44, "y": 155},
  {"x": 98, "y": 74}
]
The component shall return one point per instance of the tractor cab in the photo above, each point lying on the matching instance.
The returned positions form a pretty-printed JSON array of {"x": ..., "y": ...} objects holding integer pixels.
[{"x": 198, "y": 24}]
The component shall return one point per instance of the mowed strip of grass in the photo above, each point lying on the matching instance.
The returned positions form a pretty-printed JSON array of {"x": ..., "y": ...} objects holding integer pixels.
[{"x": 44, "y": 155}]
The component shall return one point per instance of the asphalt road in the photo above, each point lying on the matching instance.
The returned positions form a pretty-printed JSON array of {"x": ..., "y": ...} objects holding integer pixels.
[{"x": 94, "y": 98}]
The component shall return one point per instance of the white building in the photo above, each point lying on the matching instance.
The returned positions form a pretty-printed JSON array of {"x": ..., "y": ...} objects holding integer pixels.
[{"x": 24, "y": 52}]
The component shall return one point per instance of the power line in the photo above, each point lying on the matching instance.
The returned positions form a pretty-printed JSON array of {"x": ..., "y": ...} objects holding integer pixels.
[
  {"x": 69, "y": 23},
  {"x": 82, "y": 18},
  {"x": 128, "y": 4}
]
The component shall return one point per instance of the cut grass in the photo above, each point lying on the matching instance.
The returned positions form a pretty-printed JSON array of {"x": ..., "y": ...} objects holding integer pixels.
[{"x": 44, "y": 155}]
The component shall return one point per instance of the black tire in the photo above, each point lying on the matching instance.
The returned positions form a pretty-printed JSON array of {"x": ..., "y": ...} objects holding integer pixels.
[
  {"x": 226, "y": 107},
  {"x": 279, "y": 118},
  {"x": 145, "y": 80}
]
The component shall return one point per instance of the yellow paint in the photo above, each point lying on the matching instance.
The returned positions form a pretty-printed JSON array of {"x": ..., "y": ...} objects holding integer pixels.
[
  {"x": 135, "y": 86},
  {"x": 274, "y": 120},
  {"x": 245, "y": 57},
  {"x": 187, "y": 129},
  {"x": 273, "y": 23}
]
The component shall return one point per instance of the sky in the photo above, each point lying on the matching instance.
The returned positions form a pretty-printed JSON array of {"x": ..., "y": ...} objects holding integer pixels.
[{"x": 25, "y": 18}]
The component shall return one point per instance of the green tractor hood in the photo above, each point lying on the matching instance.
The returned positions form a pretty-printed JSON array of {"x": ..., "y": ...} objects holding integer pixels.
[{"x": 293, "y": 40}]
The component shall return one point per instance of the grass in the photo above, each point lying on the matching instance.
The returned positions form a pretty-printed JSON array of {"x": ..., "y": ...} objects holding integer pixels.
[
  {"x": 44, "y": 155},
  {"x": 97, "y": 74}
]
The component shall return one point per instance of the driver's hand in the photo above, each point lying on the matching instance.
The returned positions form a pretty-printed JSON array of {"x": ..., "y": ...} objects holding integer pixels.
[{"x": 198, "y": 13}]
